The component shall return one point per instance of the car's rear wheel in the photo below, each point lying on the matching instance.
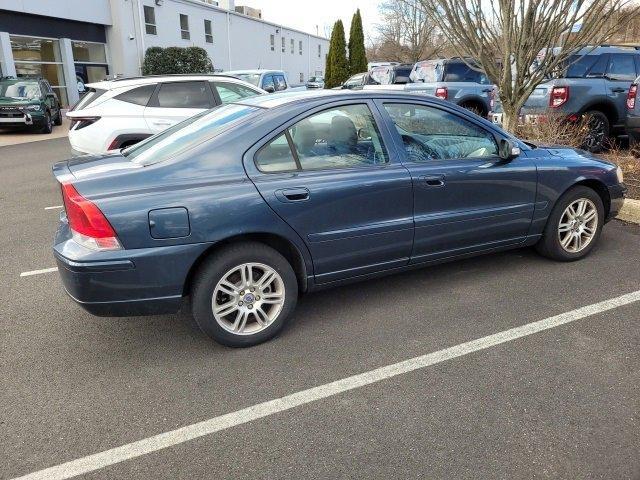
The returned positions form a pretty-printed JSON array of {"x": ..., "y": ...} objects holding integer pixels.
[
  {"x": 244, "y": 294},
  {"x": 574, "y": 225},
  {"x": 58, "y": 119},
  {"x": 48, "y": 125},
  {"x": 597, "y": 131}
]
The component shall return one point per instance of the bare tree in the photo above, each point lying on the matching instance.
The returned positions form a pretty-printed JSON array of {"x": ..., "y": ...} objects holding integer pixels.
[
  {"x": 405, "y": 33},
  {"x": 507, "y": 37}
]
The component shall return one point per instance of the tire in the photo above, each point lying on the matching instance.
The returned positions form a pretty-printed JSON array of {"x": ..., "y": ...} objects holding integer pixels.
[
  {"x": 226, "y": 328},
  {"x": 58, "y": 119},
  {"x": 550, "y": 245},
  {"x": 48, "y": 125},
  {"x": 473, "y": 108},
  {"x": 597, "y": 137}
]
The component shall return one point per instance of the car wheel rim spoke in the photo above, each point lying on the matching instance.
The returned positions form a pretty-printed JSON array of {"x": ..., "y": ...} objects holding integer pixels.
[
  {"x": 578, "y": 225},
  {"x": 248, "y": 298}
]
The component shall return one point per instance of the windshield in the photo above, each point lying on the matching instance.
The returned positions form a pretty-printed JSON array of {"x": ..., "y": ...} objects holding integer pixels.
[
  {"x": 253, "y": 78},
  {"x": 20, "y": 90},
  {"x": 316, "y": 79},
  {"x": 186, "y": 134}
]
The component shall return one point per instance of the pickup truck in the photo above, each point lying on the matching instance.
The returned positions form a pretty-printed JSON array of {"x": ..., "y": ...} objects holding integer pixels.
[{"x": 450, "y": 79}]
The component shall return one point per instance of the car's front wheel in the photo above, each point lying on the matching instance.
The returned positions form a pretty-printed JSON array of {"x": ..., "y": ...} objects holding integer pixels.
[
  {"x": 58, "y": 119},
  {"x": 574, "y": 226},
  {"x": 244, "y": 294},
  {"x": 48, "y": 124}
]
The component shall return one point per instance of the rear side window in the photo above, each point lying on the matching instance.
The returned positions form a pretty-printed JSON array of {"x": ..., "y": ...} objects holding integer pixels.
[
  {"x": 580, "y": 66},
  {"x": 184, "y": 95},
  {"x": 622, "y": 67},
  {"x": 88, "y": 98},
  {"x": 276, "y": 156},
  {"x": 281, "y": 83},
  {"x": 230, "y": 92},
  {"x": 138, "y": 95},
  {"x": 460, "y": 72}
]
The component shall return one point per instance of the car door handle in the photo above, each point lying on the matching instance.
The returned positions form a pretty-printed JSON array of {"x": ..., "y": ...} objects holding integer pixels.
[
  {"x": 292, "y": 195},
  {"x": 434, "y": 181},
  {"x": 618, "y": 90}
]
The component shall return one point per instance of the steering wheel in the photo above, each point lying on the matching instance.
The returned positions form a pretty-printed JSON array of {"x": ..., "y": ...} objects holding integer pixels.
[{"x": 418, "y": 151}]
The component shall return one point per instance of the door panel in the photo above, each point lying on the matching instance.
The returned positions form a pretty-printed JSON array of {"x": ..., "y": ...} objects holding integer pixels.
[
  {"x": 177, "y": 101},
  {"x": 348, "y": 199},
  {"x": 621, "y": 72},
  {"x": 465, "y": 197}
]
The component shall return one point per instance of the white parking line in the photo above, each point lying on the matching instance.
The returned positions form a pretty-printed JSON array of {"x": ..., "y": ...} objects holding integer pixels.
[
  {"x": 38, "y": 272},
  {"x": 55, "y": 207},
  {"x": 174, "y": 437}
]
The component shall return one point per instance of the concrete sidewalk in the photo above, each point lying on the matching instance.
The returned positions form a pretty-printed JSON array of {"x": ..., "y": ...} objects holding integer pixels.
[{"x": 16, "y": 137}]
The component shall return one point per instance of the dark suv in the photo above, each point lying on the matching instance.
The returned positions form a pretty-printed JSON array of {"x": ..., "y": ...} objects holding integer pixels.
[
  {"x": 27, "y": 102},
  {"x": 594, "y": 83}
]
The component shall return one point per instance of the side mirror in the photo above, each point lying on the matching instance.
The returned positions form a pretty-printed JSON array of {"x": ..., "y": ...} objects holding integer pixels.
[
  {"x": 269, "y": 89},
  {"x": 507, "y": 149}
]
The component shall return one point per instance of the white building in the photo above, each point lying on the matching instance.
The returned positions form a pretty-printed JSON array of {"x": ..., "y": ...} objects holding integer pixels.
[{"x": 72, "y": 41}]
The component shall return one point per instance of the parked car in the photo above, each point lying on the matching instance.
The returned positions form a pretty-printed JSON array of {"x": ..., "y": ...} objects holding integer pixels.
[
  {"x": 30, "y": 103},
  {"x": 633, "y": 118},
  {"x": 357, "y": 82},
  {"x": 594, "y": 83},
  {"x": 315, "y": 82},
  {"x": 450, "y": 79},
  {"x": 269, "y": 80},
  {"x": 241, "y": 208},
  {"x": 114, "y": 114}
]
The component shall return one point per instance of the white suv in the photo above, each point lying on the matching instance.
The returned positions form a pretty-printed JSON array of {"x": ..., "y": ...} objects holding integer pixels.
[{"x": 117, "y": 113}]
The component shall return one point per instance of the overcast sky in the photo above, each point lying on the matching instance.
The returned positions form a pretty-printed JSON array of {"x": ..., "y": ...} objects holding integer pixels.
[{"x": 306, "y": 14}]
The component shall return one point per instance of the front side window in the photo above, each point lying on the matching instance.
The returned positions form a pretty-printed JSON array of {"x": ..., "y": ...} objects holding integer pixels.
[
  {"x": 150, "y": 20},
  {"x": 231, "y": 92},
  {"x": 184, "y": 27},
  {"x": 267, "y": 82},
  {"x": 137, "y": 96},
  {"x": 184, "y": 95},
  {"x": 208, "y": 33},
  {"x": 622, "y": 67},
  {"x": 341, "y": 137},
  {"x": 431, "y": 134}
]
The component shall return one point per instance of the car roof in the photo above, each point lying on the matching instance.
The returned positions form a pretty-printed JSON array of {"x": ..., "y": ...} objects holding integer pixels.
[
  {"x": 279, "y": 99},
  {"x": 135, "y": 81},
  {"x": 256, "y": 71}
]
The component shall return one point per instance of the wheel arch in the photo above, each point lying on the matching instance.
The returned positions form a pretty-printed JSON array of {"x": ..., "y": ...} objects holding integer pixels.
[
  {"x": 598, "y": 186},
  {"x": 282, "y": 245},
  {"x": 605, "y": 106},
  {"x": 476, "y": 102}
]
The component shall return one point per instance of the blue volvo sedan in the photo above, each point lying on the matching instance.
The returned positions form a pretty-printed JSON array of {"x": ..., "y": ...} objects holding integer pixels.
[{"x": 242, "y": 208}]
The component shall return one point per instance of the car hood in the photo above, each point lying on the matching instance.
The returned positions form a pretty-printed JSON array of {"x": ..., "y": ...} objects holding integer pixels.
[
  {"x": 15, "y": 102},
  {"x": 92, "y": 166},
  {"x": 571, "y": 152}
]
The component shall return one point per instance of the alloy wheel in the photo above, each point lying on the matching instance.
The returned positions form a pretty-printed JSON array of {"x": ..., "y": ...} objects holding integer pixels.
[
  {"x": 595, "y": 133},
  {"x": 248, "y": 298},
  {"x": 578, "y": 225}
]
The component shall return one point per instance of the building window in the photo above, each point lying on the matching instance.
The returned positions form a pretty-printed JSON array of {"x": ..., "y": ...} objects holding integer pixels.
[
  {"x": 150, "y": 20},
  {"x": 90, "y": 63},
  {"x": 208, "y": 35},
  {"x": 273, "y": 42},
  {"x": 300, "y": 47},
  {"x": 184, "y": 27},
  {"x": 283, "y": 45},
  {"x": 293, "y": 42},
  {"x": 319, "y": 51},
  {"x": 301, "y": 77}
]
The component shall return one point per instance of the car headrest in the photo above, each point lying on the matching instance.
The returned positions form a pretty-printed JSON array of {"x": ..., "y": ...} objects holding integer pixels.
[
  {"x": 305, "y": 136},
  {"x": 343, "y": 133}
]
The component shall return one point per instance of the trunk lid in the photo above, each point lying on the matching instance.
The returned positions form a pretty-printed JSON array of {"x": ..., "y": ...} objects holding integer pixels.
[{"x": 92, "y": 166}]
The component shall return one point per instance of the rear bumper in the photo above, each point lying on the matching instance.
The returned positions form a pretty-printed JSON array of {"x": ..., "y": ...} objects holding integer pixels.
[{"x": 126, "y": 282}]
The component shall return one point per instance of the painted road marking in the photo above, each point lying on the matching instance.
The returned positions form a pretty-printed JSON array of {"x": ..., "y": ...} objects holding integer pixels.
[
  {"x": 55, "y": 207},
  {"x": 181, "y": 435},
  {"x": 38, "y": 272}
]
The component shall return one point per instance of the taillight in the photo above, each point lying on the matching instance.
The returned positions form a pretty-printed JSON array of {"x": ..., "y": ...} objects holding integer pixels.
[
  {"x": 631, "y": 96},
  {"x": 88, "y": 224},
  {"x": 441, "y": 92},
  {"x": 81, "y": 122},
  {"x": 559, "y": 96}
]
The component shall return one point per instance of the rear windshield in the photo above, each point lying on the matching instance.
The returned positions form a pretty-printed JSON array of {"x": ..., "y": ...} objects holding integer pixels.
[
  {"x": 187, "y": 134},
  {"x": 88, "y": 98},
  {"x": 252, "y": 78},
  {"x": 426, "y": 72}
]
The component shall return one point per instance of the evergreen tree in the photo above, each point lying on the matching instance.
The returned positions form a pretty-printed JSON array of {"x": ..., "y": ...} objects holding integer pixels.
[
  {"x": 357, "y": 55},
  {"x": 337, "y": 68}
]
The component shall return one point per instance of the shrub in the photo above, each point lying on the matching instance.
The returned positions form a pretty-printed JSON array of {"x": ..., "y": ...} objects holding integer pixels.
[{"x": 164, "y": 61}]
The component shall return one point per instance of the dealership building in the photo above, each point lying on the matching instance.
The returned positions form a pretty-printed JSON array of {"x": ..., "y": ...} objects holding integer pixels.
[{"x": 73, "y": 42}]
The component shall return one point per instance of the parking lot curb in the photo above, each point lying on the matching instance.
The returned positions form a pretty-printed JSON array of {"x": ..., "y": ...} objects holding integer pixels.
[{"x": 630, "y": 211}]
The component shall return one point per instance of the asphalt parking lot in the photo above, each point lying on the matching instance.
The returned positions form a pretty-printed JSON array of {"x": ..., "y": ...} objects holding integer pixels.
[{"x": 560, "y": 403}]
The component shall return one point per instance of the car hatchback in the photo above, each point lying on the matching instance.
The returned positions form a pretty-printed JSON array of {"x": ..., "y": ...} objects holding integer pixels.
[{"x": 240, "y": 209}]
